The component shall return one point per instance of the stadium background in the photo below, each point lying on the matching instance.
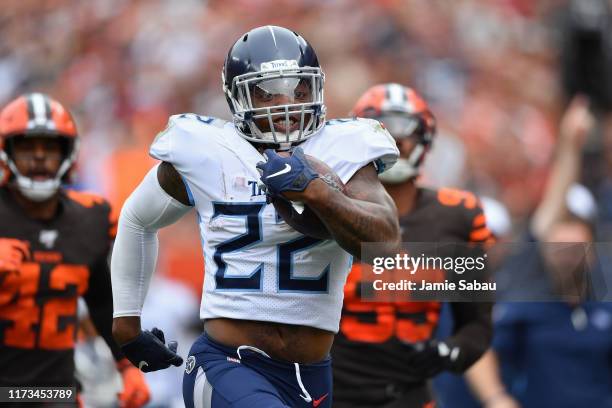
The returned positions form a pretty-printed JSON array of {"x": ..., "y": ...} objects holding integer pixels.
[{"x": 491, "y": 70}]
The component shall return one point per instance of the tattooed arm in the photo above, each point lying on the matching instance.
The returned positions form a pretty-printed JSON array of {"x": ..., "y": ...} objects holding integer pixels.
[{"x": 366, "y": 214}]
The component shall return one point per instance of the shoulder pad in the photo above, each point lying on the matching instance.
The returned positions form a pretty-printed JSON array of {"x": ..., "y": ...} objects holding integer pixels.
[
  {"x": 347, "y": 145},
  {"x": 86, "y": 199},
  {"x": 198, "y": 120},
  {"x": 181, "y": 131},
  {"x": 104, "y": 208}
]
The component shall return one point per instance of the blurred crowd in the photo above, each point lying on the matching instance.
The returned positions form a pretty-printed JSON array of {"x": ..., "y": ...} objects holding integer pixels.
[{"x": 490, "y": 70}]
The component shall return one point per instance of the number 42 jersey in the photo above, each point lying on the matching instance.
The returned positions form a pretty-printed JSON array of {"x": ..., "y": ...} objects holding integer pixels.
[
  {"x": 38, "y": 303},
  {"x": 257, "y": 266}
]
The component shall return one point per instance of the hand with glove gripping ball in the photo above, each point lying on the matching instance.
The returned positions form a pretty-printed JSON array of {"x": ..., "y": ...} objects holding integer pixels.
[{"x": 282, "y": 174}]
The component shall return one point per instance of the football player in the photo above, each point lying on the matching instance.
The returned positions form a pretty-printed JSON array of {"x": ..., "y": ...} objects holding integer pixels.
[
  {"x": 385, "y": 352},
  {"x": 54, "y": 245},
  {"x": 272, "y": 296}
]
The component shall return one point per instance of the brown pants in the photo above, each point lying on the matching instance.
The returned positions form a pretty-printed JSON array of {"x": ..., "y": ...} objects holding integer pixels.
[{"x": 392, "y": 396}]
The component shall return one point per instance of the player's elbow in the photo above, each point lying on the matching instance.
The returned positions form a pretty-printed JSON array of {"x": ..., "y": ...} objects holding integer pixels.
[
  {"x": 393, "y": 236},
  {"x": 387, "y": 233},
  {"x": 392, "y": 230}
]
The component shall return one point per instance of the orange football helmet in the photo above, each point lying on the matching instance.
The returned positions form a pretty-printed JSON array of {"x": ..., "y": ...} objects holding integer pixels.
[
  {"x": 405, "y": 114},
  {"x": 36, "y": 114}
]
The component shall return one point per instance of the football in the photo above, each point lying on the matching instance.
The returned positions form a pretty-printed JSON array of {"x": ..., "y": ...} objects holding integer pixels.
[{"x": 307, "y": 222}]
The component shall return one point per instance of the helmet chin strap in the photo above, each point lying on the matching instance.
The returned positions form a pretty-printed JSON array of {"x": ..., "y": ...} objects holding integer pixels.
[
  {"x": 39, "y": 191},
  {"x": 399, "y": 173},
  {"x": 404, "y": 169}
]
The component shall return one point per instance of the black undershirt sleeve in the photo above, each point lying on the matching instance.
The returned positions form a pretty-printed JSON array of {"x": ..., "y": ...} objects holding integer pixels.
[
  {"x": 99, "y": 299},
  {"x": 472, "y": 331}
]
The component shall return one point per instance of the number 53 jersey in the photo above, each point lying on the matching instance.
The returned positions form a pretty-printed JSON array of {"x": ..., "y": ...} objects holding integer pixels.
[
  {"x": 38, "y": 302},
  {"x": 257, "y": 266}
]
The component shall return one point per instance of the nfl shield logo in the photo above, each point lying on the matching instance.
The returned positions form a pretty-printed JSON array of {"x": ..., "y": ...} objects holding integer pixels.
[{"x": 48, "y": 237}]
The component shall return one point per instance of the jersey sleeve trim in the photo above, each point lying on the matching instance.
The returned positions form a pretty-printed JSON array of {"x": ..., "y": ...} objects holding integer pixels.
[{"x": 189, "y": 193}]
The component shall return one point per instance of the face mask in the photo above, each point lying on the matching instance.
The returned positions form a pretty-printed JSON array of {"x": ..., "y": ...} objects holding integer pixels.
[
  {"x": 37, "y": 190},
  {"x": 404, "y": 169},
  {"x": 34, "y": 190},
  {"x": 400, "y": 172}
]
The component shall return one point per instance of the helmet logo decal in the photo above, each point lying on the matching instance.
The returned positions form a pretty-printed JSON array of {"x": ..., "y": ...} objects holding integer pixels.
[
  {"x": 39, "y": 111},
  {"x": 279, "y": 64}
]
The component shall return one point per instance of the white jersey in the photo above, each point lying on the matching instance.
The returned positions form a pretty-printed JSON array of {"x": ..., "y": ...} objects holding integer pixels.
[{"x": 257, "y": 266}]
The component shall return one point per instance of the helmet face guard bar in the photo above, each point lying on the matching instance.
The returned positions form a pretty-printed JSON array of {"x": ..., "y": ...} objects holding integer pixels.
[
  {"x": 402, "y": 125},
  {"x": 42, "y": 190},
  {"x": 311, "y": 113}
]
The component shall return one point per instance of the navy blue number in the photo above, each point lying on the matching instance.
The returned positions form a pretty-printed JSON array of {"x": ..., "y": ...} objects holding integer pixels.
[
  {"x": 286, "y": 281},
  {"x": 252, "y": 213},
  {"x": 332, "y": 122},
  {"x": 204, "y": 119}
]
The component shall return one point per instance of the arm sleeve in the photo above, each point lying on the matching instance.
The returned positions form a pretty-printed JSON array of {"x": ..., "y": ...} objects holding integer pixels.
[
  {"x": 148, "y": 209},
  {"x": 100, "y": 304},
  {"x": 472, "y": 331}
]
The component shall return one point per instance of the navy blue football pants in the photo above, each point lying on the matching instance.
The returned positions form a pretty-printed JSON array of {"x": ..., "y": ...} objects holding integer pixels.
[{"x": 217, "y": 376}]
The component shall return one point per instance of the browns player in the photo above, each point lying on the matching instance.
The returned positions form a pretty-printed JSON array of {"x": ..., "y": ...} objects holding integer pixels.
[
  {"x": 54, "y": 245},
  {"x": 376, "y": 362}
]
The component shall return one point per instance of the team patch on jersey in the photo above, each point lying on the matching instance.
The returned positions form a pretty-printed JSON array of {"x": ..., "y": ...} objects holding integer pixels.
[
  {"x": 190, "y": 364},
  {"x": 48, "y": 237}
]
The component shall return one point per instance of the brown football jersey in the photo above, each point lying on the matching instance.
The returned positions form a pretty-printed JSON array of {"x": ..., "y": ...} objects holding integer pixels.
[
  {"x": 370, "y": 349},
  {"x": 38, "y": 307}
]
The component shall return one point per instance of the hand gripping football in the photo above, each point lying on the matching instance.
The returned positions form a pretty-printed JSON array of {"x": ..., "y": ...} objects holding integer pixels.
[{"x": 300, "y": 217}]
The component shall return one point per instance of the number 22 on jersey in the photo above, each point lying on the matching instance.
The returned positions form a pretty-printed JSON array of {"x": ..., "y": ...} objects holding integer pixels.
[{"x": 251, "y": 212}]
